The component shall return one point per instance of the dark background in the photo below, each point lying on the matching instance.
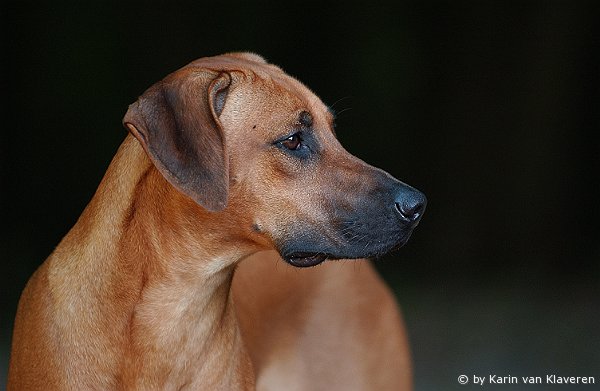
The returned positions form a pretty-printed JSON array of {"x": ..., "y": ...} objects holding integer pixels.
[{"x": 489, "y": 108}]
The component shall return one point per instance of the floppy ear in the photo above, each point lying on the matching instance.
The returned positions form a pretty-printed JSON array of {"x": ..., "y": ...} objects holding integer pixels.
[{"x": 177, "y": 123}]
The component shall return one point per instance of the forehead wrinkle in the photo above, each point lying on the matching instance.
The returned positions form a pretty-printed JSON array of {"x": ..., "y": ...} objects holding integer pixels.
[{"x": 298, "y": 95}]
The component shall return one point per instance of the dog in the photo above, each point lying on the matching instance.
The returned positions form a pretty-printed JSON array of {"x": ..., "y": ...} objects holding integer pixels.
[{"x": 166, "y": 281}]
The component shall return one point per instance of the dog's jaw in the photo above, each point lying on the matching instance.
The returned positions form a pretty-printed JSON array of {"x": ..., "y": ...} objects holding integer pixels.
[{"x": 305, "y": 259}]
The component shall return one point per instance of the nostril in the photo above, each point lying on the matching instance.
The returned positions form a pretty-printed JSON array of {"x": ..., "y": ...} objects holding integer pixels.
[
  {"x": 411, "y": 206},
  {"x": 409, "y": 212}
]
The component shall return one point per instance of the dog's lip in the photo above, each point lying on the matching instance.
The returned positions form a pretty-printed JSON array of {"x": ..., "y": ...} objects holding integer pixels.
[
  {"x": 305, "y": 259},
  {"x": 308, "y": 258}
]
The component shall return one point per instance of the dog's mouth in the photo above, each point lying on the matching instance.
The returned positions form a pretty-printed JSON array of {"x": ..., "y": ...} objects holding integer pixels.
[
  {"x": 309, "y": 259},
  {"x": 305, "y": 259},
  {"x": 314, "y": 251}
]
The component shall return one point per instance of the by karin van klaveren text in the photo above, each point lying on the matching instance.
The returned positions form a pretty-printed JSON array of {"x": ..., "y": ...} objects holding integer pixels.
[{"x": 546, "y": 379}]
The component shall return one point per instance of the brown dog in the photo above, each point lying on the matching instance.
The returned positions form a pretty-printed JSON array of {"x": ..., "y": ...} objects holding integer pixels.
[{"x": 227, "y": 156}]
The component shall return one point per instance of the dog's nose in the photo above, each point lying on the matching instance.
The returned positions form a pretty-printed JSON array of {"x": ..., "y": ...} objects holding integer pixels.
[{"x": 410, "y": 203}]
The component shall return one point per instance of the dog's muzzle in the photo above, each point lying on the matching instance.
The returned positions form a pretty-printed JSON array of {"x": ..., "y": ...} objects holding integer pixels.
[{"x": 372, "y": 229}]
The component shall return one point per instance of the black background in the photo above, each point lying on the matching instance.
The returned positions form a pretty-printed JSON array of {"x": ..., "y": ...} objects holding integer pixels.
[{"x": 490, "y": 108}]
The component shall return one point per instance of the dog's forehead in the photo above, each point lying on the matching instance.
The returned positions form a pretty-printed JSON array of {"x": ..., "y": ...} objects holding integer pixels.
[
  {"x": 295, "y": 96},
  {"x": 257, "y": 71}
]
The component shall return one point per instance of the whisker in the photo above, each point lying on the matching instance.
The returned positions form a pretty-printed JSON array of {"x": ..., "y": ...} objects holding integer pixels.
[
  {"x": 338, "y": 101},
  {"x": 343, "y": 111}
]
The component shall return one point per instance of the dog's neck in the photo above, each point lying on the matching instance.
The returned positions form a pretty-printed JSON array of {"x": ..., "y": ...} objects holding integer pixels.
[
  {"x": 170, "y": 288},
  {"x": 183, "y": 320}
]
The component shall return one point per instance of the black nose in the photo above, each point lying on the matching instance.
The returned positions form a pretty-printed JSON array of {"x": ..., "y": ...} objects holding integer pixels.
[{"x": 410, "y": 203}]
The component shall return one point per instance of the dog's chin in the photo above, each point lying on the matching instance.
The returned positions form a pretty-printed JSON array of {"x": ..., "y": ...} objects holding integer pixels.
[
  {"x": 313, "y": 258},
  {"x": 305, "y": 259}
]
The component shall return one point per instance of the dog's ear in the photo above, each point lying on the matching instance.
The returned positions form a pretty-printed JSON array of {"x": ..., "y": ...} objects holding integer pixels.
[{"x": 177, "y": 123}]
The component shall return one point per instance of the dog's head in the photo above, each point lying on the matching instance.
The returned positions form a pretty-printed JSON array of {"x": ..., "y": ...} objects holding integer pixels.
[{"x": 256, "y": 149}]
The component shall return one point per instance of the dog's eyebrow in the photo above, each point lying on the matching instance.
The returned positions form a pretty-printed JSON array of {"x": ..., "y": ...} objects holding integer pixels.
[
  {"x": 332, "y": 112},
  {"x": 305, "y": 119},
  {"x": 332, "y": 117}
]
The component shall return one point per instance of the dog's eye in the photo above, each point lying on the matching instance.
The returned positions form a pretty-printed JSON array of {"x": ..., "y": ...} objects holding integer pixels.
[{"x": 293, "y": 143}]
